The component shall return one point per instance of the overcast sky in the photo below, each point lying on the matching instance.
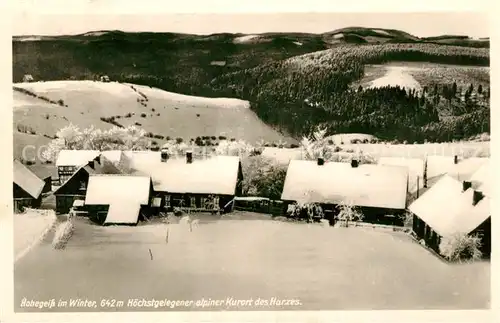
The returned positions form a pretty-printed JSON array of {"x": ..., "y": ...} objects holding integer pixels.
[{"x": 91, "y": 15}]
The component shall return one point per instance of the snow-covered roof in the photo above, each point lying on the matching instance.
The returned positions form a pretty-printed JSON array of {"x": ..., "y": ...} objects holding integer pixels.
[
  {"x": 213, "y": 175},
  {"x": 124, "y": 189},
  {"x": 365, "y": 185},
  {"x": 123, "y": 213},
  {"x": 27, "y": 180},
  {"x": 76, "y": 157},
  {"x": 123, "y": 193},
  {"x": 142, "y": 156},
  {"x": 439, "y": 165},
  {"x": 448, "y": 210},
  {"x": 113, "y": 156},
  {"x": 415, "y": 169}
]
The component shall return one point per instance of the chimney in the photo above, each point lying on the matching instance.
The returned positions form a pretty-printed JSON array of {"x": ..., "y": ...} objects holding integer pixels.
[
  {"x": 164, "y": 155},
  {"x": 466, "y": 185},
  {"x": 354, "y": 163},
  {"x": 321, "y": 161},
  {"x": 455, "y": 159},
  {"x": 189, "y": 157},
  {"x": 476, "y": 197}
]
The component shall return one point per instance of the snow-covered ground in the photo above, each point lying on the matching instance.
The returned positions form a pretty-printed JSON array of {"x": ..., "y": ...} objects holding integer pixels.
[
  {"x": 380, "y": 31},
  {"x": 124, "y": 91},
  {"x": 244, "y": 39},
  {"x": 181, "y": 98},
  {"x": 29, "y": 228},
  {"x": 396, "y": 75}
]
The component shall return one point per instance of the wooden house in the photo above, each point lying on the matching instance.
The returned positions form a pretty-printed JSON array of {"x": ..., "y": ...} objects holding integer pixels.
[
  {"x": 75, "y": 187},
  {"x": 27, "y": 188},
  {"x": 68, "y": 161},
  {"x": 450, "y": 207},
  {"x": 193, "y": 184},
  {"x": 118, "y": 199},
  {"x": 376, "y": 190}
]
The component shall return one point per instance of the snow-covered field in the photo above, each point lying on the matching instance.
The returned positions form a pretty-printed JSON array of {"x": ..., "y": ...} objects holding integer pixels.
[
  {"x": 87, "y": 103},
  {"x": 323, "y": 267},
  {"x": 396, "y": 76},
  {"x": 189, "y": 99},
  {"x": 245, "y": 39},
  {"x": 124, "y": 91},
  {"x": 29, "y": 229}
]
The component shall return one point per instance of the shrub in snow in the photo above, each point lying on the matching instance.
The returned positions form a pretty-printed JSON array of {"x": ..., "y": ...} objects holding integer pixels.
[
  {"x": 348, "y": 213},
  {"x": 461, "y": 247},
  {"x": 305, "y": 211},
  {"x": 63, "y": 233}
]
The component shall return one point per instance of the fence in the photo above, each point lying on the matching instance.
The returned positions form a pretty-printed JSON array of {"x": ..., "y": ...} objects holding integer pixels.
[{"x": 258, "y": 205}]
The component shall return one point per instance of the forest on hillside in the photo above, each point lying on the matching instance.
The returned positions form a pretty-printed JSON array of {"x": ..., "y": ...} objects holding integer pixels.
[{"x": 299, "y": 93}]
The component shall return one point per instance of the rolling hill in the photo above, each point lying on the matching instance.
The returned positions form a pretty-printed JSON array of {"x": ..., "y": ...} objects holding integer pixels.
[{"x": 103, "y": 105}]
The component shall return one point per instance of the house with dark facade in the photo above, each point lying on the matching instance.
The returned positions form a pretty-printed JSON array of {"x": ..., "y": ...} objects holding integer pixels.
[
  {"x": 75, "y": 187},
  {"x": 118, "y": 199},
  {"x": 27, "y": 188},
  {"x": 452, "y": 207},
  {"x": 194, "y": 184},
  {"x": 69, "y": 161},
  {"x": 376, "y": 190}
]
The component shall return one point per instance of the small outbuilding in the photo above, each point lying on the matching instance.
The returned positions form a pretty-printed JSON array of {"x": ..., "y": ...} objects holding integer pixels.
[
  {"x": 27, "y": 188},
  {"x": 118, "y": 199},
  {"x": 75, "y": 187}
]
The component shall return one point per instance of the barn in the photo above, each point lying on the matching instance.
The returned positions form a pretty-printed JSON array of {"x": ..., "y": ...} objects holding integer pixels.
[
  {"x": 68, "y": 161},
  {"x": 27, "y": 188},
  {"x": 194, "y": 184},
  {"x": 469, "y": 213},
  {"x": 377, "y": 190},
  {"x": 118, "y": 199}
]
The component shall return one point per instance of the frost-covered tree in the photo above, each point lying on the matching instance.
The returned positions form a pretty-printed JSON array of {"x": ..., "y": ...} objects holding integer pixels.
[
  {"x": 317, "y": 146},
  {"x": 263, "y": 176},
  {"x": 234, "y": 148},
  {"x": 71, "y": 137}
]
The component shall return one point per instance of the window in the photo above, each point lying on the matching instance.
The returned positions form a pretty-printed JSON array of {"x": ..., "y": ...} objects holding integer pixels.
[
  {"x": 156, "y": 201},
  {"x": 192, "y": 201},
  {"x": 167, "y": 201},
  {"x": 83, "y": 185}
]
